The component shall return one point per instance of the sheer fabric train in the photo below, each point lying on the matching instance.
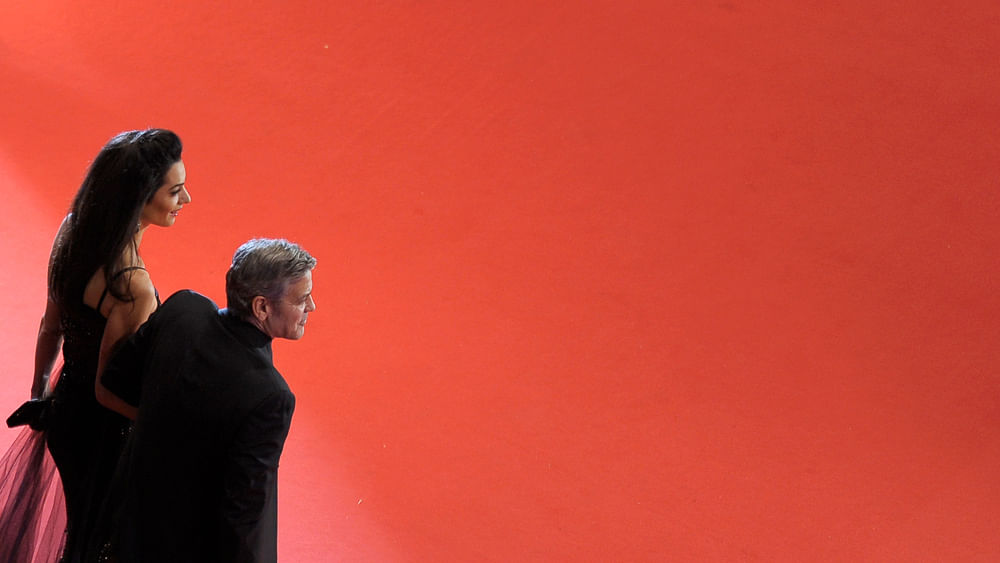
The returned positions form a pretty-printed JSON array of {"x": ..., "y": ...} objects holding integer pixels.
[{"x": 32, "y": 508}]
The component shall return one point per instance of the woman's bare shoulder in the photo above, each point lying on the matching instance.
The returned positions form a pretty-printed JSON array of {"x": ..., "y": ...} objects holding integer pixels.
[{"x": 139, "y": 283}]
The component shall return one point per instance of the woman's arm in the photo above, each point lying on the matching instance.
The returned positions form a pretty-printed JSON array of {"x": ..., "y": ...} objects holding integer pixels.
[
  {"x": 123, "y": 320},
  {"x": 50, "y": 329},
  {"x": 46, "y": 348}
]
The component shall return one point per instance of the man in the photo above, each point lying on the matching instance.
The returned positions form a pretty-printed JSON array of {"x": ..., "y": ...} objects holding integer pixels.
[{"x": 198, "y": 479}]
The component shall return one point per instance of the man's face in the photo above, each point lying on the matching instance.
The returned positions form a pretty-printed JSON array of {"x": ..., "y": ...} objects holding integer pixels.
[{"x": 286, "y": 317}]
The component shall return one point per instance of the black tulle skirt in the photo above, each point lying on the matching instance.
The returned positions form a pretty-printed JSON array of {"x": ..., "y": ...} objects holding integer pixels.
[{"x": 32, "y": 507}]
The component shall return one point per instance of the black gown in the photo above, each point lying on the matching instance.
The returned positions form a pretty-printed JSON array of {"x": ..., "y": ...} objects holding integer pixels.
[{"x": 84, "y": 438}]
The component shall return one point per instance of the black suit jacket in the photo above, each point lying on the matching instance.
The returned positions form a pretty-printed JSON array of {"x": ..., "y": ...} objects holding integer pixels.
[{"x": 198, "y": 478}]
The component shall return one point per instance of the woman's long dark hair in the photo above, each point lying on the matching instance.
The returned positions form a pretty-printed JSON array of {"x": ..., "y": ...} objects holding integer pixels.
[{"x": 106, "y": 211}]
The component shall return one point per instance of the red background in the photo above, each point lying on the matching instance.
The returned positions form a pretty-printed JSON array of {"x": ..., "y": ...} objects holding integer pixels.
[{"x": 597, "y": 281}]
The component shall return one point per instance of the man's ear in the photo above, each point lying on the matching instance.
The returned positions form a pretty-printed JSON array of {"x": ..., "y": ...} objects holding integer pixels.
[{"x": 259, "y": 308}]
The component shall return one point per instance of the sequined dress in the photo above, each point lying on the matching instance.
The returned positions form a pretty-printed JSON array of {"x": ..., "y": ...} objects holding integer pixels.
[{"x": 84, "y": 438}]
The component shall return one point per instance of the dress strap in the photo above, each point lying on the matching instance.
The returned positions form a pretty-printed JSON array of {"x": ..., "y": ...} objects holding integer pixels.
[{"x": 113, "y": 278}]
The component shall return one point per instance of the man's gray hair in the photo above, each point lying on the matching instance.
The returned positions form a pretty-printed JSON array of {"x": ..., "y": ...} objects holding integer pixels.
[{"x": 264, "y": 267}]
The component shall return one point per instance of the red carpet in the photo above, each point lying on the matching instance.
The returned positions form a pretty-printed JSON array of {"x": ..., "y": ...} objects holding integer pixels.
[{"x": 596, "y": 282}]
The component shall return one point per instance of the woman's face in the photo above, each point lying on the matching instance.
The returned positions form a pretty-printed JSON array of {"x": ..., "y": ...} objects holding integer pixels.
[{"x": 168, "y": 200}]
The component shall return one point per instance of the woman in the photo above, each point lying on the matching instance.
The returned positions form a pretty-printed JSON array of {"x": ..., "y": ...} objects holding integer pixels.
[{"x": 99, "y": 294}]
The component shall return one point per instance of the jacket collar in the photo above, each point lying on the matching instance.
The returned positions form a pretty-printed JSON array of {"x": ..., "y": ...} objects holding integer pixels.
[{"x": 244, "y": 331}]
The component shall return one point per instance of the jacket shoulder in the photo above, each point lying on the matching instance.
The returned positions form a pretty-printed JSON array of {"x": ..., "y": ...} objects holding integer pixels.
[{"x": 187, "y": 300}]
